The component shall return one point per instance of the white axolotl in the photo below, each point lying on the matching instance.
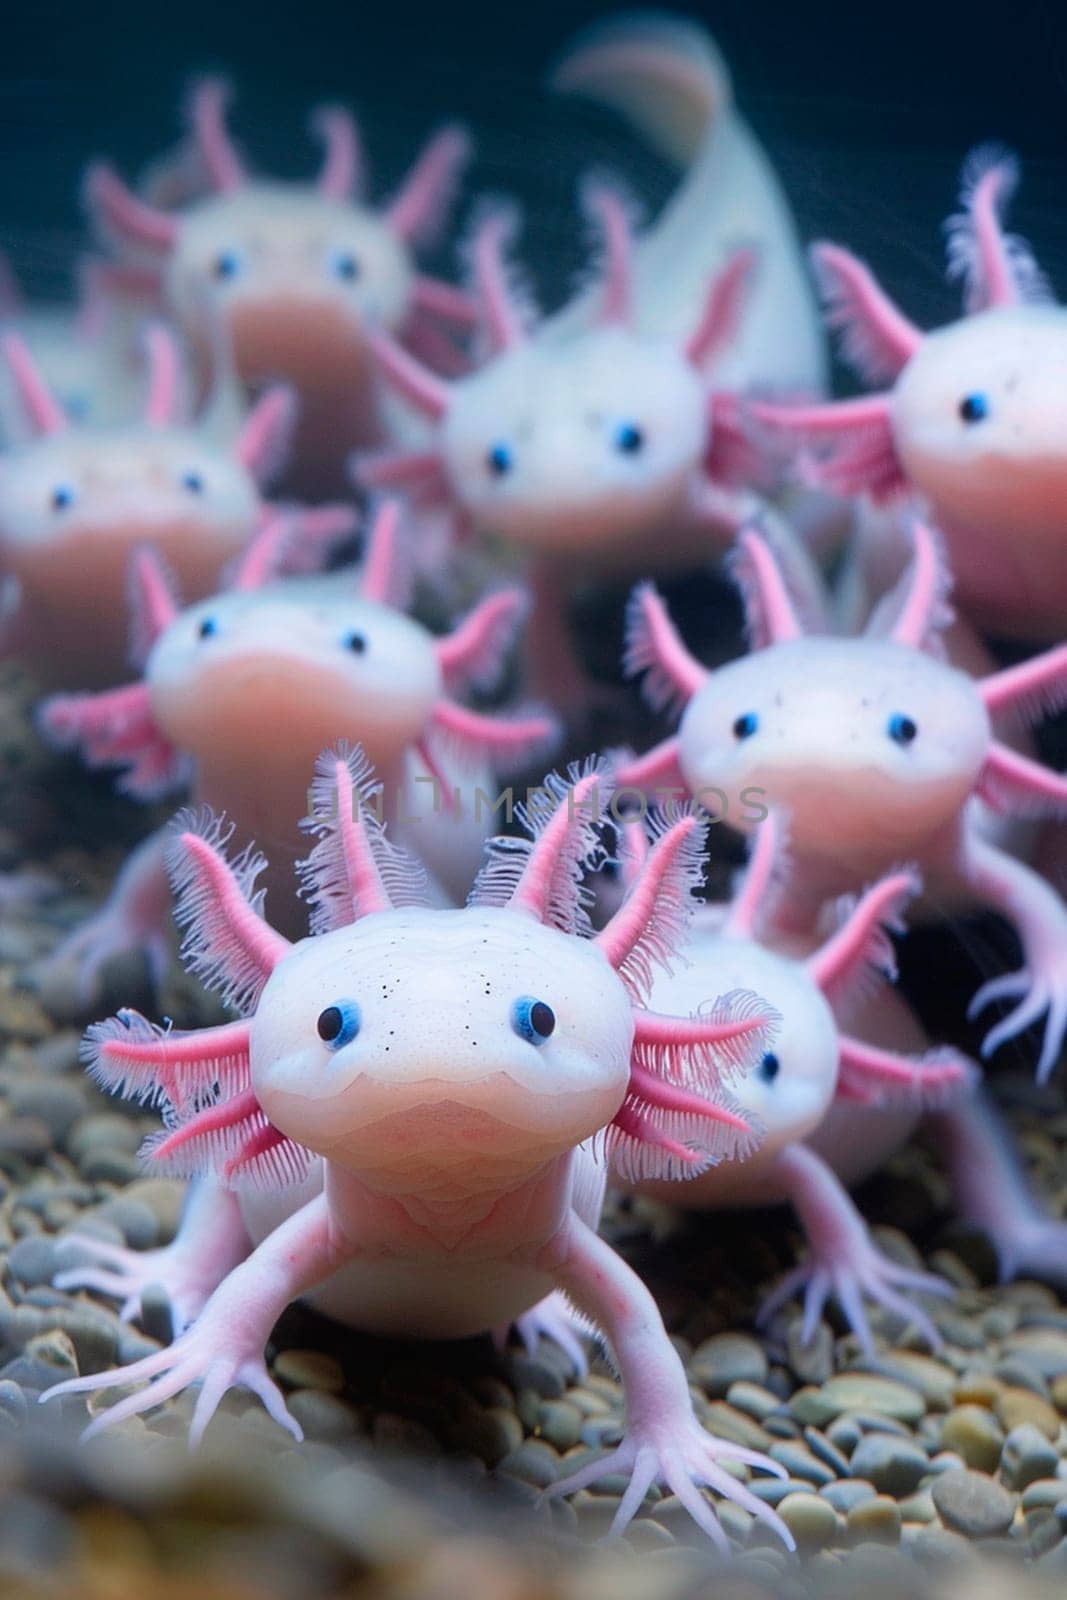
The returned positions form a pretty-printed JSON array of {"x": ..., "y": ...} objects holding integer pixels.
[
  {"x": 876, "y": 748},
  {"x": 296, "y": 273},
  {"x": 242, "y": 690},
  {"x": 835, "y": 1106},
  {"x": 76, "y": 501},
  {"x": 441, "y": 1077},
  {"x": 973, "y": 419}
]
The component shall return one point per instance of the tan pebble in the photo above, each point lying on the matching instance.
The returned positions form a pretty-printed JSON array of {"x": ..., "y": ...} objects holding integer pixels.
[
  {"x": 865, "y": 1392},
  {"x": 1059, "y": 1392},
  {"x": 919, "y": 1507},
  {"x": 947, "y": 1264},
  {"x": 534, "y": 1462},
  {"x": 559, "y": 1423},
  {"x": 977, "y": 1388},
  {"x": 309, "y": 1369},
  {"x": 753, "y": 1400},
  {"x": 1015, "y": 1406},
  {"x": 813, "y": 1522},
  {"x": 728, "y": 1358},
  {"x": 591, "y": 1405},
  {"x": 875, "y": 1521},
  {"x": 728, "y": 1423},
  {"x": 491, "y": 1434},
  {"x": 973, "y": 1433}
]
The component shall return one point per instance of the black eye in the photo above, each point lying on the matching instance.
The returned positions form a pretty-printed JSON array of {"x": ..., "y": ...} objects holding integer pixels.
[
  {"x": 532, "y": 1019},
  {"x": 499, "y": 460},
  {"x": 339, "y": 1024},
  {"x": 974, "y": 407},
  {"x": 62, "y": 497},
  {"x": 226, "y": 265},
  {"x": 193, "y": 482},
  {"x": 901, "y": 729},
  {"x": 769, "y": 1067},
  {"x": 746, "y": 725},
  {"x": 208, "y": 627},
  {"x": 356, "y": 642},
  {"x": 629, "y": 439},
  {"x": 344, "y": 265}
]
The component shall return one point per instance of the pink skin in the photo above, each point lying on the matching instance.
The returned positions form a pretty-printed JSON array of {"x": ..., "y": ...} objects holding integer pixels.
[
  {"x": 297, "y": 273},
  {"x": 974, "y": 416},
  {"x": 451, "y": 1113},
  {"x": 876, "y": 748},
  {"x": 317, "y": 657},
  {"x": 814, "y": 1065},
  {"x": 584, "y": 454},
  {"x": 75, "y": 502}
]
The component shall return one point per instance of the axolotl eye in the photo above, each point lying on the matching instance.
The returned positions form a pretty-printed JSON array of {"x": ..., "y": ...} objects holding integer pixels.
[
  {"x": 901, "y": 729},
  {"x": 499, "y": 460},
  {"x": 193, "y": 481},
  {"x": 227, "y": 265},
  {"x": 63, "y": 497},
  {"x": 207, "y": 628},
  {"x": 356, "y": 643},
  {"x": 746, "y": 725},
  {"x": 974, "y": 408},
  {"x": 344, "y": 266},
  {"x": 629, "y": 439},
  {"x": 532, "y": 1019},
  {"x": 338, "y": 1024},
  {"x": 769, "y": 1067}
]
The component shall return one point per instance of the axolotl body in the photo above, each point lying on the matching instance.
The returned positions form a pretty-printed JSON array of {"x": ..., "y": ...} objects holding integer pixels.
[
  {"x": 971, "y": 421},
  {"x": 449, "y": 1069},
  {"x": 296, "y": 273},
  {"x": 75, "y": 501},
  {"x": 878, "y": 750},
  {"x": 243, "y": 689}
]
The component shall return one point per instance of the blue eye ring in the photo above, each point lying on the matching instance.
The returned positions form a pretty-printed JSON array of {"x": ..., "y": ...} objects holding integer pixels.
[
  {"x": 629, "y": 439},
  {"x": 208, "y": 628},
  {"x": 193, "y": 481},
  {"x": 745, "y": 725},
  {"x": 226, "y": 266},
  {"x": 532, "y": 1019},
  {"x": 974, "y": 408},
  {"x": 338, "y": 1024},
  {"x": 499, "y": 460},
  {"x": 345, "y": 265},
  {"x": 901, "y": 729},
  {"x": 769, "y": 1067},
  {"x": 62, "y": 497},
  {"x": 356, "y": 643}
]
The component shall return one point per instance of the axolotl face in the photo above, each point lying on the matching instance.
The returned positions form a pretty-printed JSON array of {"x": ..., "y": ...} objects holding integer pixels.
[
  {"x": 75, "y": 503},
  {"x": 579, "y": 446},
  {"x": 295, "y": 278},
  {"x": 477, "y": 1040},
  {"x": 298, "y": 662},
  {"x": 980, "y": 418},
  {"x": 870, "y": 747}
]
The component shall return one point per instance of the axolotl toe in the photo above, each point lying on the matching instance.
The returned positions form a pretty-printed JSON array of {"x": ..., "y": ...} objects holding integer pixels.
[{"x": 449, "y": 1070}]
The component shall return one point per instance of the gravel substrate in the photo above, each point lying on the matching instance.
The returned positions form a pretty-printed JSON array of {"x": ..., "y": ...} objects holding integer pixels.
[{"x": 934, "y": 1456}]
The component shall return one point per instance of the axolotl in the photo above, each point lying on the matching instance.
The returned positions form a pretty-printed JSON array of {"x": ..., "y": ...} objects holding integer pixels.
[
  {"x": 972, "y": 417},
  {"x": 242, "y": 690},
  {"x": 422, "y": 1092},
  {"x": 76, "y": 500},
  {"x": 878, "y": 749},
  {"x": 296, "y": 273}
]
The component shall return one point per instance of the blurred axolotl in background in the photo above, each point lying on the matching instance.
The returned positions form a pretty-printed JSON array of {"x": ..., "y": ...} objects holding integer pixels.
[
  {"x": 404, "y": 1123},
  {"x": 846, "y": 1084},
  {"x": 296, "y": 273},
  {"x": 606, "y": 454},
  {"x": 878, "y": 750},
  {"x": 241, "y": 691},
  {"x": 76, "y": 501},
  {"x": 972, "y": 421}
]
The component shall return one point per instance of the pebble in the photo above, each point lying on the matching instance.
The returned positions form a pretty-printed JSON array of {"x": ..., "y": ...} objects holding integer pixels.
[
  {"x": 844, "y": 1493},
  {"x": 752, "y": 1399},
  {"x": 533, "y": 1462},
  {"x": 875, "y": 1521},
  {"x": 973, "y": 1504},
  {"x": 828, "y": 1453},
  {"x": 974, "y": 1433},
  {"x": 735, "y": 1426},
  {"x": 894, "y": 1466},
  {"x": 861, "y": 1391},
  {"x": 799, "y": 1462},
  {"x": 1015, "y": 1406},
  {"x": 812, "y": 1521},
  {"x": 309, "y": 1369},
  {"x": 726, "y": 1359},
  {"x": 1027, "y": 1456},
  {"x": 919, "y": 1507},
  {"x": 812, "y": 1362},
  {"x": 33, "y": 1259},
  {"x": 322, "y": 1415},
  {"x": 560, "y": 1423},
  {"x": 1044, "y": 1492}
]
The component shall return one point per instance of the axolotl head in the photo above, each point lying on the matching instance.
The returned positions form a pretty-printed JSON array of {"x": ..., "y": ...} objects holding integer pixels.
[
  {"x": 76, "y": 501},
  {"x": 576, "y": 443},
  {"x": 294, "y": 272},
  {"x": 401, "y": 1042}
]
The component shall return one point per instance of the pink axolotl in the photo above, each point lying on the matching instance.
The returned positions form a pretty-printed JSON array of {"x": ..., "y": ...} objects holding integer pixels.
[
  {"x": 440, "y": 1077},
  {"x": 973, "y": 418},
  {"x": 835, "y": 1106},
  {"x": 877, "y": 748},
  {"x": 75, "y": 501},
  {"x": 817, "y": 1066},
  {"x": 296, "y": 273},
  {"x": 610, "y": 452},
  {"x": 245, "y": 688}
]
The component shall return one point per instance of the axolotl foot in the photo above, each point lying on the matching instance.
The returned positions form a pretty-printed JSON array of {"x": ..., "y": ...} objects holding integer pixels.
[
  {"x": 684, "y": 1458},
  {"x": 1038, "y": 992},
  {"x": 553, "y": 1319},
  {"x": 850, "y": 1276}
]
